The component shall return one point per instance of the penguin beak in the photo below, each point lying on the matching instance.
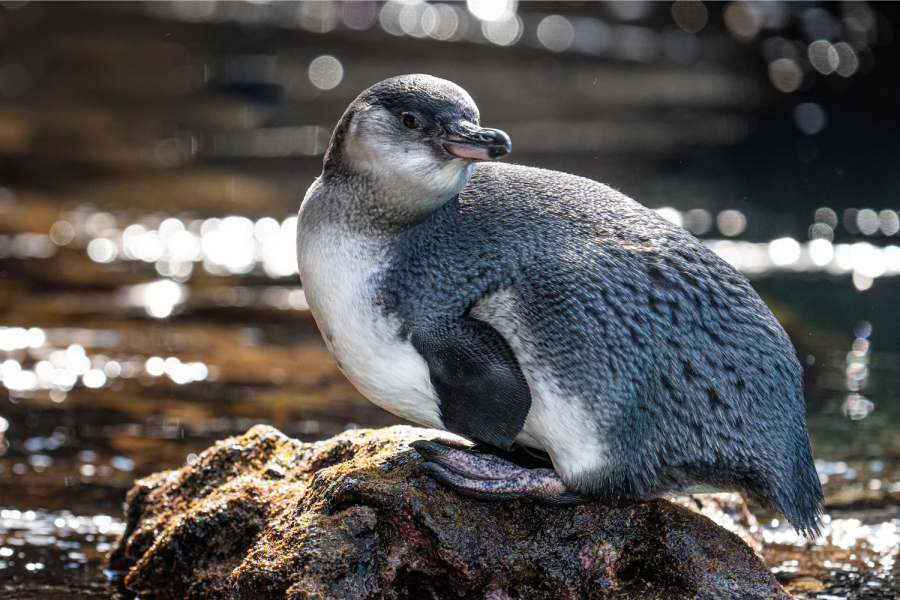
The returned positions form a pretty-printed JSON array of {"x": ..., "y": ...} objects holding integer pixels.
[{"x": 470, "y": 141}]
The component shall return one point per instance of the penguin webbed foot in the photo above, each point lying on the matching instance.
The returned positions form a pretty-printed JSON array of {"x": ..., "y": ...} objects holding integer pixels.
[{"x": 484, "y": 476}]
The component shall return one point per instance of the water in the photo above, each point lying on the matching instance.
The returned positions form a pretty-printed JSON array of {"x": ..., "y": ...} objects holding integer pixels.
[
  {"x": 55, "y": 555},
  {"x": 153, "y": 157}
]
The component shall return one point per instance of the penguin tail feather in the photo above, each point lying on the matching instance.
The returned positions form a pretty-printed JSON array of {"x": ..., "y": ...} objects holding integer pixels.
[{"x": 801, "y": 500}]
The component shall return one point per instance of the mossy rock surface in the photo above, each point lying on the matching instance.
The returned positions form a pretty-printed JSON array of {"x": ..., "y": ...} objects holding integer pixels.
[{"x": 353, "y": 517}]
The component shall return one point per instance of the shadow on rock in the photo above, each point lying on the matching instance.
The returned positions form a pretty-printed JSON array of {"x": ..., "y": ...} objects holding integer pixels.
[{"x": 353, "y": 517}]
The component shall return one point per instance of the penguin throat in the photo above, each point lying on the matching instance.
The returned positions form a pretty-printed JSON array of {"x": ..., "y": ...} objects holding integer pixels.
[
  {"x": 386, "y": 206},
  {"x": 398, "y": 198},
  {"x": 416, "y": 194}
]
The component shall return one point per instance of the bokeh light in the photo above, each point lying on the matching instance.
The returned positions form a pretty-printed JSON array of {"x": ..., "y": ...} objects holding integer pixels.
[
  {"x": 319, "y": 17},
  {"x": 556, "y": 33},
  {"x": 671, "y": 215},
  {"x": 867, "y": 221},
  {"x": 95, "y": 378},
  {"x": 158, "y": 298},
  {"x": 857, "y": 407},
  {"x": 102, "y": 250},
  {"x": 592, "y": 36},
  {"x": 827, "y": 216},
  {"x": 629, "y": 10},
  {"x": 62, "y": 233},
  {"x": 410, "y": 19},
  {"x": 731, "y": 222},
  {"x": 888, "y": 222},
  {"x": 784, "y": 251},
  {"x": 492, "y": 10},
  {"x": 821, "y": 231},
  {"x": 359, "y": 14},
  {"x": 389, "y": 18},
  {"x": 698, "y": 221},
  {"x": 444, "y": 22},
  {"x": 823, "y": 57},
  {"x": 810, "y": 118},
  {"x": 503, "y": 32},
  {"x": 742, "y": 20},
  {"x": 817, "y": 23},
  {"x": 821, "y": 252},
  {"x": 690, "y": 15},
  {"x": 848, "y": 63},
  {"x": 326, "y": 72},
  {"x": 785, "y": 74}
]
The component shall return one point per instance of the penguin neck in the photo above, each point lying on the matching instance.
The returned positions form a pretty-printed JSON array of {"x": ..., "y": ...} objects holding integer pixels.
[{"x": 377, "y": 204}]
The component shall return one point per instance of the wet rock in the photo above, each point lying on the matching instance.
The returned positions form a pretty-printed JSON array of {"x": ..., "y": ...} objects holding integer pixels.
[{"x": 353, "y": 517}]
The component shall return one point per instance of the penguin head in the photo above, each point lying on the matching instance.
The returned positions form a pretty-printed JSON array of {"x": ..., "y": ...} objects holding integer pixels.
[{"x": 414, "y": 138}]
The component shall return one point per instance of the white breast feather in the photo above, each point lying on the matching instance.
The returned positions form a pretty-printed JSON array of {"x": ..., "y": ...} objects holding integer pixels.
[{"x": 336, "y": 271}]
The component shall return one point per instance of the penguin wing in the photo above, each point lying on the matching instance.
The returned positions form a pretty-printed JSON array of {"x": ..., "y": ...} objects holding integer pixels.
[{"x": 482, "y": 391}]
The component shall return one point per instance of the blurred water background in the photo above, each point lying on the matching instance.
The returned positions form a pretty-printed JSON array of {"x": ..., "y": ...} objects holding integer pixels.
[{"x": 153, "y": 156}]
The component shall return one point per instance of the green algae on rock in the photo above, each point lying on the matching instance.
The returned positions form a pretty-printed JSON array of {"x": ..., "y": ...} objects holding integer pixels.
[{"x": 354, "y": 517}]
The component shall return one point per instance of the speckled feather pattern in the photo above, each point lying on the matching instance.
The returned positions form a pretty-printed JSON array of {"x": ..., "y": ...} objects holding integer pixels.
[{"x": 688, "y": 375}]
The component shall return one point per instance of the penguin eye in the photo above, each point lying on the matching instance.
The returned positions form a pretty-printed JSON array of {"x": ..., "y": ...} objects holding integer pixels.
[{"x": 410, "y": 121}]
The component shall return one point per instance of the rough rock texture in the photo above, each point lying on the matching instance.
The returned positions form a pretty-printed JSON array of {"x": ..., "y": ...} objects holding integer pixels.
[{"x": 353, "y": 517}]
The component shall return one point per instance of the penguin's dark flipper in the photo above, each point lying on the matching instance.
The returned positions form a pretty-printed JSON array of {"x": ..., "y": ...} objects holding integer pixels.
[
  {"x": 482, "y": 392},
  {"x": 488, "y": 477}
]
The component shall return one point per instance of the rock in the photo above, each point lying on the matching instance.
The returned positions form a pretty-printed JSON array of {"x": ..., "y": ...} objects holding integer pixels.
[{"x": 353, "y": 517}]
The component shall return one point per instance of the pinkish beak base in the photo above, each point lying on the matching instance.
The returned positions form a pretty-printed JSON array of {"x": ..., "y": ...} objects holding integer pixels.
[{"x": 471, "y": 151}]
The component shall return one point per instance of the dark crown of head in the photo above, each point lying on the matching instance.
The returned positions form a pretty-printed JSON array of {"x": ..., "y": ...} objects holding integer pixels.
[{"x": 422, "y": 93}]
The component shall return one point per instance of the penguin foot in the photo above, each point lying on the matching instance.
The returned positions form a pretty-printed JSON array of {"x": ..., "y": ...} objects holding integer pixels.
[{"x": 488, "y": 477}]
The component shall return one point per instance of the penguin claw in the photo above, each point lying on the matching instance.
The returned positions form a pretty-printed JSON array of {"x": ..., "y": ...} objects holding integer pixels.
[
  {"x": 467, "y": 463},
  {"x": 487, "y": 477},
  {"x": 539, "y": 487},
  {"x": 455, "y": 444}
]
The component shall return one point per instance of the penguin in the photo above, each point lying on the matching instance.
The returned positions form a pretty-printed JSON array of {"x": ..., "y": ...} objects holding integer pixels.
[{"x": 540, "y": 314}]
